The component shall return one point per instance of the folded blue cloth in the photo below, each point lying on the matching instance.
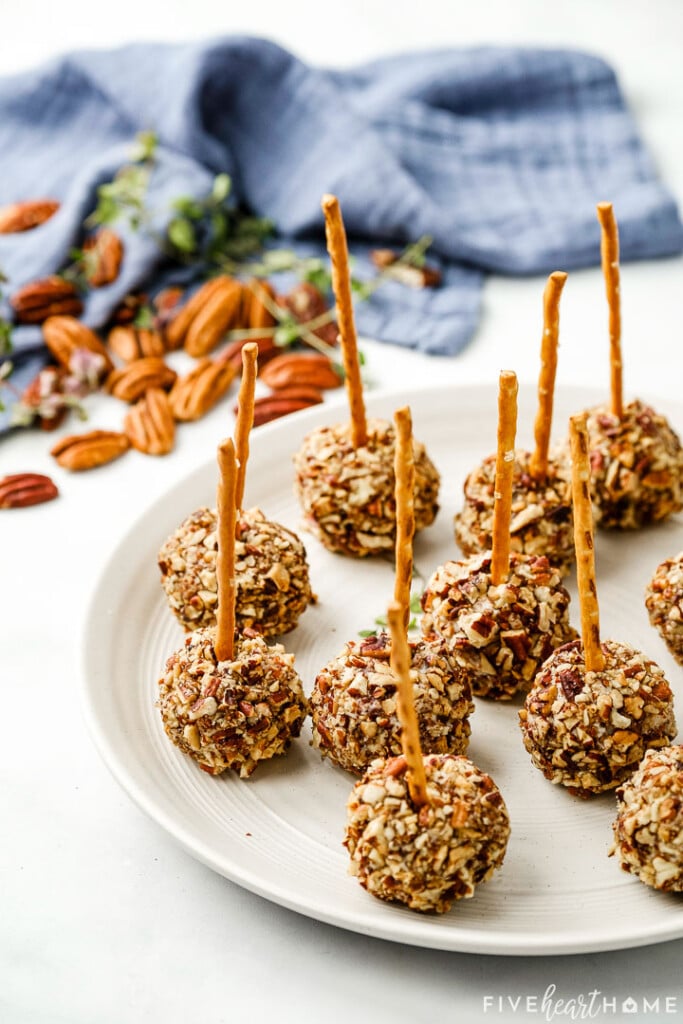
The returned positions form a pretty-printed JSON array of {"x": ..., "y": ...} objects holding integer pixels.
[{"x": 499, "y": 154}]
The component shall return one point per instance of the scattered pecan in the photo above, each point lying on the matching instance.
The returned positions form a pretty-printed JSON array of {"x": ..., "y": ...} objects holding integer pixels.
[
  {"x": 129, "y": 307},
  {"x": 105, "y": 252},
  {"x": 86, "y": 451},
  {"x": 130, "y": 343},
  {"x": 254, "y": 312},
  {"x": 23, "y": 489},
  {"x": 267, "y": 350},
  {"x": 282, "y": 403},
  {"x": 416, "y": 277},
  {"x": 294, "y": 368},
  {"x": 306, "y": 302},
  {"x": 165, "y": 304},
  {"x": 65, "y": 334},
  {"x": 50, "y": 296},
  {"x": 206, "y": 316},
  {"x": 149, "y": 424},
  {"x": 24, "y": 216},
  {"x": 193, "y": 395},
  {"x": 131, "y": 382}
]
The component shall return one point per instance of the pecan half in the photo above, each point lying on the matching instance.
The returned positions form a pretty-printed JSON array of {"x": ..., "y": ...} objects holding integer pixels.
[
  {"x": 255, "y": 312},
  {"x": 165, "y": 304},
  {"x": 193, "y": 395},
  {"x": 178, "y": 327},
  {"x": 86, "y": 451},
  {"x": 306, "y": 302},
  {"x": 282, "y": 403},
  {"x": 50, "y": 296},
  {"x": 65, "y": 334},
  {"x": 267, "y": 350},
  {"x": 295, "y": 368},
  {"x": 104, "y": 254},
  {"x": 129, "y": 307},
  {"x": 23, "y": 489},
  {"x": 130, "y": 343},
  {"x": 149, "y": 424},
  {"x": 206, "y": 316},
  {"x": 27, "y": 215},
  {"x": 415, "y": 277},
  {"x": 221, "y": 312},
  {"x": 131, "y": 382}
]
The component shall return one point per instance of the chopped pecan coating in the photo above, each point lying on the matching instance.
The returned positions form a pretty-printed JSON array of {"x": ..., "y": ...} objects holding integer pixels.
[
  {"x": 273, "y": 585},
  {"x": 636, "y": 467},
  {"x": 231, "y": 714},
  {"x": 541, "y": 522},
  {"x": 426, "y": 858},
  {"x": 648, "y": 830},
  {"x": 500, "y": 634},
  {"x": 353, "y": 703},
  {"x": 664, "y": 603},
  {"x": 589, "y": 730},
  {"x": 347, "y": 493}
]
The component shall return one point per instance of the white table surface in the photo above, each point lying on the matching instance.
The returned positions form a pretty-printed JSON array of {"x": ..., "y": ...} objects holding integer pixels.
[{"x": 103, "y": 918}]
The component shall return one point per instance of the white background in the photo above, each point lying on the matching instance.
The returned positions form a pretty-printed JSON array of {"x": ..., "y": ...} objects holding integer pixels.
[{"x": 103, "y": 920}]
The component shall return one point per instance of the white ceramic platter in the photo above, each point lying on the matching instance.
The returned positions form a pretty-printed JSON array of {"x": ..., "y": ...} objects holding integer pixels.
[{"x": 279, "y": 833}]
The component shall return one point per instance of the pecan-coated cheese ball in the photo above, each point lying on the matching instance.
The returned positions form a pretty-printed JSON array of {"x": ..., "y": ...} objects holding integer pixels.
[
  {"x": 500, "y": 633},
  {"x": 231, "y": 714},
  {"x": 636, "y": 467},
  {"x": 347, "y": 493},
  {"x": 541, "y": 520},
  {"x": 428, "y": 857},
  {"x": 273, "y": 585},
  {"x": 664, "y": 603},
  {"x": 589, "y": 730},
  {"x": 353, "y": 703},
  {"x": 648, "y": 830}
]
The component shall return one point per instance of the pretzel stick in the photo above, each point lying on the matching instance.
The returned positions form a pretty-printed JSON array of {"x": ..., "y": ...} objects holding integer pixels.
[
  {"x": 505, "y": 468},
  {"x": 225, "y": 562},
  {"x": 609, "y": 251},
  {"x": 404, "y": 470},
  {"x": 341, "y": 284},
  {"x": 245, "y": 417},
  {"x": 546, "y": 380},
  {"x": 583, "y": 541},
  {"x": 407, "y": 716}
]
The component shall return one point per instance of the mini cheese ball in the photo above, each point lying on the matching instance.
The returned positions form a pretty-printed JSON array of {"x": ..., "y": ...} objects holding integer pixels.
[
  {"x": 664, "y": 603},
  {"x": 231, "y": 714},
  {"x": 648, "y": 830},
  {"x": 426, "y": 858},
  {"x": 636, "y": 467},
  {"x": 347, "y": 492},
  {"x": 541, "y": 521},
  {"x": 588, "y": 731},
  {"x": 500, "y": 633},
  {"x": 354, "y": 702},
  {"x": 273, "y": 585}
]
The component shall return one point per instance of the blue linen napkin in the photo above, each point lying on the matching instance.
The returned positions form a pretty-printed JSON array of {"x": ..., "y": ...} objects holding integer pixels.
[{"x": 499, "y": 154}]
